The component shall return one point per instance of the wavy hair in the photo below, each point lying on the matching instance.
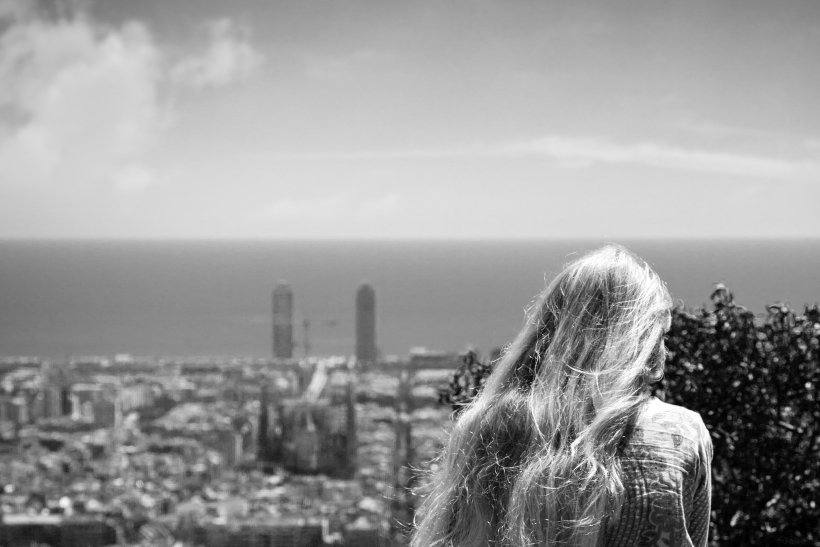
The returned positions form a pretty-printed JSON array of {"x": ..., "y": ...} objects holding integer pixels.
[{"x": 534, "y": 459}]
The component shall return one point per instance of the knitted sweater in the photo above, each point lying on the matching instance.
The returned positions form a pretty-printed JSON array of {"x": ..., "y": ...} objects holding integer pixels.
[{"x": 666, "y": 462}]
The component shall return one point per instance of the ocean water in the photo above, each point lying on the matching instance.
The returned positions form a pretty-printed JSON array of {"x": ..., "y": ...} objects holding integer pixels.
[{"x": 60, "y": 298}]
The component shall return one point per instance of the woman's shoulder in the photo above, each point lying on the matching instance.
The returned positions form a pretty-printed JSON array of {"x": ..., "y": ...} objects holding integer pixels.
[{"x": 673, "y": 419}]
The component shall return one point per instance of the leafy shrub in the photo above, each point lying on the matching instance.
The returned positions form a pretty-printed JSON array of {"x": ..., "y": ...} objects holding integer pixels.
[
  {"x": 755, "y": 385},
  {"x": 754, "y": 381},
  {"x": 466, "y": 382}
]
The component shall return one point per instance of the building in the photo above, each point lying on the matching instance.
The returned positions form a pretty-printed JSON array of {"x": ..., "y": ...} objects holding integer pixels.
[
  {"x": 136, "y": 396},
  {"x": 284, "y": 533},
  {"x": 316, "y": 437},
  {"x": 282, "y": 321},
  {"x": 228, "y": 442},
  {"x": 424, "y": 359},
  {"x": 55, "y": 530},
  {"x": 26, "y": 530},
  {"x": 14, "y": 409},
  {"x": 56, "y": 391},
  {"x": 94, "y": 403},
  {"x": 86, "y": 532},
  {"x": 363, "y": 536},
  {"x": 263, "y": 452},
  {"x": 402, "y": 508},
  {"x": 268, "y": 427},
  {"x": 366, "y": 324}
]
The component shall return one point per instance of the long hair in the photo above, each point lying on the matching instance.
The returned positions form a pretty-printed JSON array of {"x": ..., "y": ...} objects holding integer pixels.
[{"x": 533, "y": 461}]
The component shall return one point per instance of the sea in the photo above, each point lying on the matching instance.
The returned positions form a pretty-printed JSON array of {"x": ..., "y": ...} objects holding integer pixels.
[{"x": 68, "y": 299}]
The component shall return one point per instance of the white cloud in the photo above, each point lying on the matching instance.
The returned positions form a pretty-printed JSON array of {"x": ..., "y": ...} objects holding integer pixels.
[
  {"x": 576, "y": 153},
  {"x": 229, "y": 58},
  {"x": 87, "y": 98},
  {"x": 391, "y": 154},
  {"x": 660, "y": 155}
]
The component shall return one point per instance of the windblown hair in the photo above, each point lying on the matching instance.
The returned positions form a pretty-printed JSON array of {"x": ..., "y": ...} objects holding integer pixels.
[{"x": 533, "y": 461}]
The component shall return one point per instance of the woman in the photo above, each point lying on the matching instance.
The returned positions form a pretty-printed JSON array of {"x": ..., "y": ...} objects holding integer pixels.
[{"x": 564, "y": 446}]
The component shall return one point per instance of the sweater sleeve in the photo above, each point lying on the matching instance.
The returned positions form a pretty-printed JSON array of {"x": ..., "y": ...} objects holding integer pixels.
[{"x": 697, "y": 522}]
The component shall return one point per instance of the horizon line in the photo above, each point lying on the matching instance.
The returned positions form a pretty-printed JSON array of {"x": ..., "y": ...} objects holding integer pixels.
[{"x": 523, "y": 239}]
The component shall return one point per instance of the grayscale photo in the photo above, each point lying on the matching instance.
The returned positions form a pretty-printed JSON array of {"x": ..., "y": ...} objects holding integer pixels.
[{"x": 428, "y": 273}]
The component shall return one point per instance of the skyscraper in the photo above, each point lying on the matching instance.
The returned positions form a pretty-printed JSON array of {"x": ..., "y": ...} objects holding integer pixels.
[
  {"x": 366, "y": 323},
  {"x": 282, "y": 321},
  {"x": 262, "y": 450}
]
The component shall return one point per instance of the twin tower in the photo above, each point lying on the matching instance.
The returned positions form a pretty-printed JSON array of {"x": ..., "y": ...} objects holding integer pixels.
[{"x": 365, "y": 322}]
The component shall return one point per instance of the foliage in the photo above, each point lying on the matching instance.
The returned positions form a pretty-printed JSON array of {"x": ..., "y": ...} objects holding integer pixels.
[
  {"x": 466, "y": 382},
  {"x": 754, "y": 381}
]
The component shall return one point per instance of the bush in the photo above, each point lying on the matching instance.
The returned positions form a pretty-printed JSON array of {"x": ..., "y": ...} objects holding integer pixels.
[
  {"x": 466, "y": 382},
  {"x": 755, "y": 385},
  {"x": 754, "y": 382}
]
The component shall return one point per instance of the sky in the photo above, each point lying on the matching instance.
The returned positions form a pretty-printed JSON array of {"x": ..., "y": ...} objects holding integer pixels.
[{"x": 252, "y": 119}]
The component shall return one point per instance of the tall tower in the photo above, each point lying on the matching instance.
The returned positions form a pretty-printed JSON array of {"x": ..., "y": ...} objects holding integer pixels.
[
  {"x": 262, "y": 452},
  {"x": 282, "y": 321},
  {"x": 366, "y": 323},
  {"x": 352, "y": 440}
]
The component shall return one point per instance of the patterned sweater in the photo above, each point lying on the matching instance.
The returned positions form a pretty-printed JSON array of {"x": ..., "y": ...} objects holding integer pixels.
[{"x": 666, "y": 462}]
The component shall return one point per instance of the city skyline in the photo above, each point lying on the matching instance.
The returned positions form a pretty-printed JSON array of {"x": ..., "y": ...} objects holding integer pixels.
[
  {"x": 308, "y": 120},
  {"x": 226, "y": 453}
]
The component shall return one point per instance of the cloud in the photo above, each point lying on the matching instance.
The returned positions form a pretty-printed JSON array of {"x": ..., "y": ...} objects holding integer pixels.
[
  {"x": 577, "y": 153},
  {"x": 392, "y": 154},
  {"x": 86, "y": 97},
  {"x": 82, "y": 104},
  {"x": 229, "y": 58},
  {"x": 713, "y": 129},
  {"x": 660, "y": 155}
]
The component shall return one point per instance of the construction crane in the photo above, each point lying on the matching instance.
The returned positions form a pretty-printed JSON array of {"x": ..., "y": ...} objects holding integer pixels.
[{"x": 306, "y": 336}]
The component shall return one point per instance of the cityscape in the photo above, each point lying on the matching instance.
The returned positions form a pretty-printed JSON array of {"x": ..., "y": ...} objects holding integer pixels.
[
  {"x": 290, "y": 451},
  {"x": 259, "y": 259}
]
